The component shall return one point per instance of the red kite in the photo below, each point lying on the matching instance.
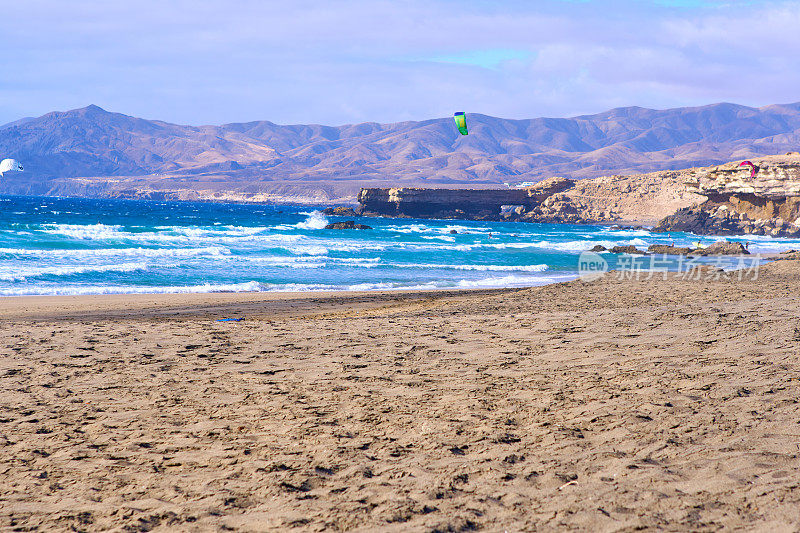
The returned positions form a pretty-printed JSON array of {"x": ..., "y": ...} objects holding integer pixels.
[{"x": 753, "y": 168}]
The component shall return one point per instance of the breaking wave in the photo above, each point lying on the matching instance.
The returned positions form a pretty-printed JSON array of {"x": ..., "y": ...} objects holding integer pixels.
[{"x": 316, "y": 220}]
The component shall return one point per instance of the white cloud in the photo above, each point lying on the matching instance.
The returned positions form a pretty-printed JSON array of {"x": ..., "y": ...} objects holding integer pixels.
[{"x": 206, "y": 61}]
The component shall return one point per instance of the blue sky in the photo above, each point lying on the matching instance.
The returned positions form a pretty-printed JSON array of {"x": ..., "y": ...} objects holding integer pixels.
[{"x": 211, "y": 62}]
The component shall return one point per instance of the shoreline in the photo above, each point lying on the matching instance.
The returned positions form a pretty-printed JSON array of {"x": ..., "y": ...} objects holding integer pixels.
[
  {"x": 209, "y": 303},
  {"x": 224, "y": 297}
]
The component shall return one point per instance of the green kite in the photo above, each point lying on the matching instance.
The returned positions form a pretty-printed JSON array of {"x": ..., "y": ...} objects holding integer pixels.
[{"x": 461, "y": 122}]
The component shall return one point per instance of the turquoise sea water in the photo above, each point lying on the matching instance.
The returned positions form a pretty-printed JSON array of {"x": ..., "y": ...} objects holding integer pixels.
[{"x": 78, "y": 246}]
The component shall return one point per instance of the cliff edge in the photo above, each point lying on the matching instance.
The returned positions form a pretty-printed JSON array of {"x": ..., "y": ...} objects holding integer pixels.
[
  {"x": 759, "y": 198},
  {"x": 642, "y": 199}
]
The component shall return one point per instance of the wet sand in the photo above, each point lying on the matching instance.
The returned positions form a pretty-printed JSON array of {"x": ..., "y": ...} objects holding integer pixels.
[{"x": 607, "y": 406}]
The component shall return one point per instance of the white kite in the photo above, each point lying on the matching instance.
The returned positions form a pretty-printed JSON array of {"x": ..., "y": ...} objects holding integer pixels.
[{"x": 7, "y": 165}]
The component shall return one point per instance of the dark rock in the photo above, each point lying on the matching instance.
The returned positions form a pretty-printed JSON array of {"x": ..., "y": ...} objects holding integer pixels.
[
  {"x": 476, "y": 204},
  {"x": 696, "y": 219},
  {"x": 340, "y": 212},
  {"x": 348, "y": 224},
  {"x": 598, "y": 248},
  {"x": 736, "y": 215},
  {"x": 453, "y": 232},
  {"x": 629, "y": 249},
  {"x": 667, "y": 249},
  {"x": 723, "y": 248},
  {"x": 617, "y": 227},
  {"x": 788, "y": 255}
]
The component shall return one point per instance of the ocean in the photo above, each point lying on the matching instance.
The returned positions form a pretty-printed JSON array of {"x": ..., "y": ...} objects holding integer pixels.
[{"x": 56, "y": 246}]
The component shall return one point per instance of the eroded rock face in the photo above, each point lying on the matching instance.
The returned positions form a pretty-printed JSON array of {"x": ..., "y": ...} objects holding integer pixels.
[
  {"x": 442, "y": 203},
  {"x": 776, "y": 177},
  {"x": 737, "y": 214},
  {"x": 765, "y": 204},
  {"x": 546, "y": 188},
  {"x": 558, "y": 208},
  {"x": 718, "y": 200}
]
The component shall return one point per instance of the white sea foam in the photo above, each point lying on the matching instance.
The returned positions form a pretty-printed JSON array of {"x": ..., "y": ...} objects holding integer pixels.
[
  {"x": 575, "y": 246},
  {"x": 481, "y": 268},
  {"x": 407, "y": 228},
  {"x": 249, "y": 286},
  {"x": 514, "y": 281},
  {"x": 210, "y": 251},
  {"x": 316, "y": 220},
  {"x": 324, "y": 261},
  {"x": 13, "y": 273},
  {"x": 626, "y": 233},
  {"x": 254, "y": 286},
  {"x": 84, "y": 231},
  {"x": 314, "y": 261},
  {"x": 494, "y": 282},
  {"x": 502, "y": 268}
]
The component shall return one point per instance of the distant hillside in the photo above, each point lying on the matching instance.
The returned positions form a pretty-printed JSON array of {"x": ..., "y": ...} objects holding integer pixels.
[{"x": 93, "y": 152}]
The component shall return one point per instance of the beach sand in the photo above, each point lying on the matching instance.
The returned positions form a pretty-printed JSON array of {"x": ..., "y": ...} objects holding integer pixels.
[{"x": 605, "y": 406}]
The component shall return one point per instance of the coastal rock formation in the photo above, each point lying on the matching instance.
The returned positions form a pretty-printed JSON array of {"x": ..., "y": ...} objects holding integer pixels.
[
  {"x": 776, "y": 178},
  {"x": 665, "y": 249},
  {"x": 341, "y": 212},
  {"x": 719, "y": 200},
  {"x": 718, "y": 248},
  {"x": 547, "y": 188},
  {"x": 642, "y": 199},
  {"x": 628, "y": 249},
  {"x": 722, "y": 248},
  {"x": 479, "y": 204},
  {"x": 347, "y": 224},
  {"x": 736, "y": 203}
]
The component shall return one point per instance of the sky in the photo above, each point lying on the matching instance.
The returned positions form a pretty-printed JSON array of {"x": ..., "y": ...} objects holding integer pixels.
[{"x": 349, "y": 61}]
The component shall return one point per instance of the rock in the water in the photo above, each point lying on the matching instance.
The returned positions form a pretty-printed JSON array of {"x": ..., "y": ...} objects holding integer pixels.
[
  {"x": 598, "y": 248},
  {"x": 723, "y": 248},
  {"x": 696, "y": 219},
  {"x": 340, "y": 211},
  {"x": 453, "y": 232},
  {"x": 667, "y": 249},
  {"x": 347, "y": 224},
  {"x": 629, "y": 249}
]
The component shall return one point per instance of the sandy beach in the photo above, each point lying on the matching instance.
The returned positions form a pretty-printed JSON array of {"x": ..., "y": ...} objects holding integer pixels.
[{"x": 616, "y": 405}]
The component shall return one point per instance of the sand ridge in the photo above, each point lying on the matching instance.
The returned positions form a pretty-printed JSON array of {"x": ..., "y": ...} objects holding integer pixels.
[{"x": 609, "y": 406}]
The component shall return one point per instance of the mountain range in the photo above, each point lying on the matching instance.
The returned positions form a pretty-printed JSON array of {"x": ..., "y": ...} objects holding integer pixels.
[{"x": 93, "y": 152}]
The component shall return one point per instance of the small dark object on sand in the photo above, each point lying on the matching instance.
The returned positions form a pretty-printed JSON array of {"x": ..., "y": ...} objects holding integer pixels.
[{"x": 230, "y": 319}]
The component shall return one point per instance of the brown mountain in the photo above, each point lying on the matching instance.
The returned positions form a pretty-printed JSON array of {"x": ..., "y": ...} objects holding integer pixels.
[{"x": 92, "y": 152}]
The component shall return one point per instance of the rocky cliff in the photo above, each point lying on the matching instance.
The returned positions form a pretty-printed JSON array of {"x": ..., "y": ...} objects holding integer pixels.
[
  {"x": 718, "y": 200},
  {"x": 642, "y": 199},
  {"x": 482, "y": 204},
  {"x": 737, "y": 202}
]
